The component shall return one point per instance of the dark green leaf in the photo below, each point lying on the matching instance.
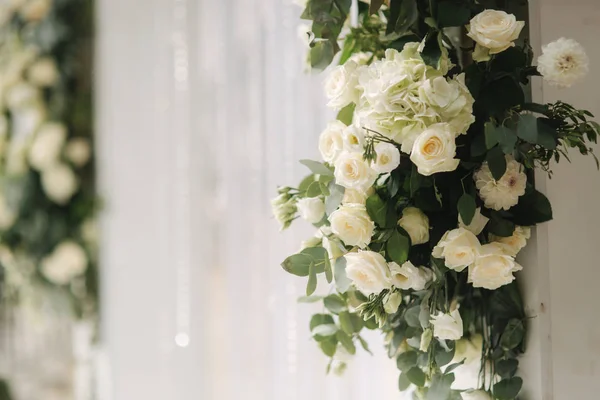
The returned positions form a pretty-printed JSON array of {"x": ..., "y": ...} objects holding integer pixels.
[
  {"x": 320, "y": 319},
  {"x": 334, "y": 303},
  {"x": 321, "y": 54},
  {"x": 329, "y": 346},
  {"x": 327, "y": 268},
  {"x": 500, "y": 226},
  {"x": 432, "y": 51},
  {"x": 478, "y": 147},
  {"x": 453, "y": 13},
  {"x": 507, "y": 138},
  {"x": 346, "y": 341},
  {"x": 347, "y": 50},
  {"x": 509, "y": 60},
  {"x": 406, "y": 361},
  {"x": 533, "y": 208},
  {"x": 452, "y": 367},
  {"x": 507, "y": 368},
  {"x": 474, "y": 79},
  {"x": 508, "y": 389},
  {"x": 497, "y": 162},
  {"x": 490, "y": 135},
  {"x": 375, "y": 6},
  {"x": 424, "y": 316},
  {"x": 415, "y": 180},
  {"x": 311, "y": 286},
  {"x": 317, "y": 167},
  {"x": 467, "y": 207},
  {"x": 412, "y": 316},
  {"x": 500, "y": 95},
  {"x": 506, "y": 303},
  {"x": 513, "y": 334},
  {"x": 297, "y": 264},
  {"x": 443, "y": 357},
  {"x": 364, "y": 345},
  {"x": 398, "y": 247},
  {"x": 342, "y": 282},
  {"x": 5, "y": 392},
  {"x": 416, "y": 376},
  {"x": 403, "y": 382},
  {"x": 345, "y": 115},
  {"x": 403, "y": 14},
  {"x": 377, "y": 209},
  {"x": 547, "y": 136},
  {"x": 440, "y": 387},
  {"x": 350, "y": 323}
]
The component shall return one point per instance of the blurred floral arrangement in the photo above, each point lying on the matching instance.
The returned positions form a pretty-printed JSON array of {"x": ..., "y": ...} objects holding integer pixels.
[
  {"x": 47, "y": 193},
  {"x": 425, "y": 194}
]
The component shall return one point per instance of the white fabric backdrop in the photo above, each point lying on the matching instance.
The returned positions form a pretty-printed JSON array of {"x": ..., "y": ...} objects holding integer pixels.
[{"x": 203, "y": 109}]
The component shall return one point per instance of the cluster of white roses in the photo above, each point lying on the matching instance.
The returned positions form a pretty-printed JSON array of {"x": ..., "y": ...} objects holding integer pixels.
[{"x": 408, "y": 102}]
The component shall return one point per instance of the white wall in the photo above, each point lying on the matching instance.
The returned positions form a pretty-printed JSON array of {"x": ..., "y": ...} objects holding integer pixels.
[{"x": 561, "y": 268}]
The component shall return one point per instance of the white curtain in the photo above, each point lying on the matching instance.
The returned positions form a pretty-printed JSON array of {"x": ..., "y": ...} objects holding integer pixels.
[{"x": 203, "y": 109}]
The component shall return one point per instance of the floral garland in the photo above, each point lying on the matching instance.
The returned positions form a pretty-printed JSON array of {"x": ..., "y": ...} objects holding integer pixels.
[
  {"x": 47, "y": 195},
  {"x": 426, "y": 193}
]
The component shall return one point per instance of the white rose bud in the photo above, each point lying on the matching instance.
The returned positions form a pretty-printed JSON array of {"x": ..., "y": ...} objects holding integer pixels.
[
  {"x": 352, "y": 196},
  {"x": 408, "y": 276},
  {"x": 67, "y": 261},
  {"x": 59, "y": 183},
  {"x": 476, "y": 395},
  {"x": 495, "y": 30},
  {"x": 513, "y": 244},
  {"x": 447, "y": 326},
  {"x": 311, "y": 209},
  {"x": 340, "y": 86},
  {"x": 331, "y": 142},
  {"x": 426, "y": 337},
  {"x": 46, "y": 147},
  {"x": 416, "y": 224},
  {"x": 477, "y": 224},
  {"x": 459, "y": 248},
  {"x": 388, "y": 158},
  {"x": 353, "y": 172},
  {"x": 392, "y": 303},
  {"x": 352, "y": 224},
  {"x": 43, "y": 72},
  {"x": 493, "y": 268},
  {"x": 354, "y": 139},
  {"x": 434, "y": 150},
  {"x": 78, "y": 151},
  {"x": 368, "y": 271}
]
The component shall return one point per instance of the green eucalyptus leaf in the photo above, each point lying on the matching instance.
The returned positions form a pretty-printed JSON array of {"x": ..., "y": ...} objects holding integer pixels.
[
  {"x": 320, "y": 319},
  {"x": 329, "y": 346},
  {"x": 453, "y": 13},
  {"x": 306, "y": 182},
  {"x": 496, "y": 162},
  {"x": 403, "y": 15},
  {"x": 346, "y": 114},
  {"x": 350, "y": 323},
  {"x": 297, "y": 264},
  {"x": 398, "y": 247},
  {"x": 321, "y": 54},
  {"x": 432, "y": 51},
  {"x": 440, "y": 387},
  {"x": 346, "y": 341},
  {"x": 467, "y": 208},
  {"x": 513, "y": 334},
  {"x": 342, "y": 282},
  {"x": 500, "y": 226},
  {"x": 317, "y": 167},
  {"x": 403, "y": 382},
  {"x": 537, "y": 131},
  {"x": 334, "y": 303},
  {"x": 489, "y": 131},
  {"x": 412, "y": 316},
  {"x": 507, "y": 368},
  {"x": 406, "y": 360},
  {"x": 443, "y": 357},
  {"x": 309, "y": 299},
  {"x": 377, "y": 209},
  {"x": 364, "y": 345},
  {"x": 416, "y": 376},
  {"x": 311, "y": 286},
  {"x": 323, "y": 331},
  {"x": 508, "y": 389},
  {"x": 533, "y": 208}
]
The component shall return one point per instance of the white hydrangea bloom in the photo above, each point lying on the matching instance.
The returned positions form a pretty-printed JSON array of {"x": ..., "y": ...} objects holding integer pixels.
[
  {"x": 563, "y": 62},
  {"x": 504, "y": 193}
]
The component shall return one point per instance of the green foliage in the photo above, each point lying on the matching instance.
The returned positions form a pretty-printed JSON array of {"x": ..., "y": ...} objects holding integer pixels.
[
  {"x": 398, "y": 247},
  {"x": 403, "y": 15},
  {"x": 467, "y": 207},
  {"x": 508, "y": 389}
]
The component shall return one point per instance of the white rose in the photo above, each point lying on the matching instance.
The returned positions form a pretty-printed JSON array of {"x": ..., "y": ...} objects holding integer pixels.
[
  {"x": 353, "y": 172},
  {"x": 388, "y": 158},
  {"x": 35, "y": 10},
  {"x": 352, "y": 224},
  {"x": 311, "y": 209},
  {"x": 434, "y": 150},
  {"x": 459, "y": 248},
  {"x": 368, "y": 271},
  {"x": 7, "y": 215},
  {"x": 340, "y": 86},
  {"x": 514, "y": 243},
  {"x": 352, "y": 196},
  {"x": 468, "y": 350},
  {"x": 43, "y": 72},
  {"x": 477, "y": 224},
  {"x": 495, "y": 30},
  {"x": 354, "y": 139},
  {"x": 447, "y": 326},
  {"x": 46, "y": 147},
  {"x": 563, "y": 62},
  {"x": 361, "y": 57},
  {"x": 67, "y": 261},
  {"x": 492, "y": 268},
  {"x": 504, "y": 193},
  {"x": 59, "y": 183},
  {"x": 16, "y": 159},
  {"x": 476, "y": 395},
  {"x": 78, "y": 151},
  {"x": 416, "y": 224},
  {"x": 408, "y": 276},
  {"x": 25, "y": 121},
  {"x": 22, "y": 94},
  {"x": 331, "y": 142},
  {"x": 392, "y": 303}
]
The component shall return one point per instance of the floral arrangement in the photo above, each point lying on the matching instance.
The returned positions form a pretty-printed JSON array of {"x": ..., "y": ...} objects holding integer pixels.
[
  {"x": 47, "y": 195},
  {"x": 425, "y": 195}
]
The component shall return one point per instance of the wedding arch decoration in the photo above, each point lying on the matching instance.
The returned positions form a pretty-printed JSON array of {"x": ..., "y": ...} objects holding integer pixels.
[
  {"x": 47, "y": 191},
  {"x": 425, "y": 194}
]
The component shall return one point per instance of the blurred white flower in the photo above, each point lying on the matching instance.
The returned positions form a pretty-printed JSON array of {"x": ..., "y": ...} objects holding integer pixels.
[
  {"x": 35, "y": 10},
  {"x": 514, "y": 243},
  {"x": 352, "y": 224},
  {"x": 16, "y": 159},
  {"x": 59, "y": 183},
  {"x": 7, "y": 216},
  {"x": 311, "y": 209},
  {"x": 408, "y": 276},
  {"x": 78, "y": 151},
  {"x": 416, "y": 224},
  {"x": 353, "y": 139},
  {"x": 47, "y": 145},
  {"x": 25, "y": 121},
  {"x": 563, "y": 62},
  {"x": 341, "y": 85},
  {"x": 43, "y": 72},
  {"x": 388, "y": 158},
  {"x": 67, "y": 261},
  {"x": 22, "y": 94},
  {"x": 447, "y": 326},
  {"x": 331, "y": 141}
]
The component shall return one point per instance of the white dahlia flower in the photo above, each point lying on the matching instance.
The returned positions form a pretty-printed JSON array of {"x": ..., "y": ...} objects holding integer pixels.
[
  {"x": 563, "y": 62},
  {"x": 504, "y": 193}
]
